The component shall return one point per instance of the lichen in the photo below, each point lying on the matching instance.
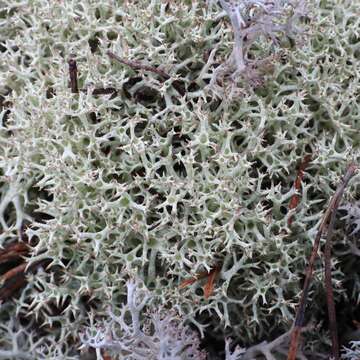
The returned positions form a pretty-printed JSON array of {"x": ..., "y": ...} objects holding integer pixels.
[{"x": 167, "y": 178}]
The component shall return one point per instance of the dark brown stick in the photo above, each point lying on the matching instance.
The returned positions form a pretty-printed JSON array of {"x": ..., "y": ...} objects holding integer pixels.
[
  {"x": 334, "y": 203},
  {"x": 73, "y": 76},
  {"x": 136, "y": 65}
]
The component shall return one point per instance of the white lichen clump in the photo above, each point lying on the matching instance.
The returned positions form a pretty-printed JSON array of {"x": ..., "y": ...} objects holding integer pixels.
[
  {"x": 352, "y": 352},
  {"x": 160, "y": 336},
  {"x": 254, "y": 19}
]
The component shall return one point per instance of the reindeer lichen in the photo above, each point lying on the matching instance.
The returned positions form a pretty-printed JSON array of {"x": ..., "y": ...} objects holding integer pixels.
[{"x": 168, "y": 177}]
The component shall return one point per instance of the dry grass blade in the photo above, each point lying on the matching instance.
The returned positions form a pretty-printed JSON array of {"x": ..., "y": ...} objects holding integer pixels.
[{"x": 330, "y": 212}]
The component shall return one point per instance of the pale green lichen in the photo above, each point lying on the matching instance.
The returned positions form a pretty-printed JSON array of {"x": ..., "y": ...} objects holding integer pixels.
[{"x": 170, "y": 178}]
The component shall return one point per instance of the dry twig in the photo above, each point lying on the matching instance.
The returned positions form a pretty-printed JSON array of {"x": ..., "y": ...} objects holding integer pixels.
[
  {"x": 330, "y": 213},
  {"x": 136, "y": 65}
]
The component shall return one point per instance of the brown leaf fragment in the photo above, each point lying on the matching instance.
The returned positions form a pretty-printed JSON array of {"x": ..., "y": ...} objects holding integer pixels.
[
  {"x": 295, "y": 199},
  {"x": 209, "y": 286}
]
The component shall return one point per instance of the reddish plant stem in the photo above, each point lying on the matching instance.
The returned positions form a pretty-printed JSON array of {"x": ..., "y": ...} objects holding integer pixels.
[{"x": 299, "y": 320}]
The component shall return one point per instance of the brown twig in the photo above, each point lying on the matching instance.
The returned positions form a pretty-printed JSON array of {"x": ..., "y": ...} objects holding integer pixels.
[
  {"x": 136, "y": 65},
  {"x": 330, "y": 212},
  {"x": 294, "y": 201},
  {"x": 73, "y": 76}
]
